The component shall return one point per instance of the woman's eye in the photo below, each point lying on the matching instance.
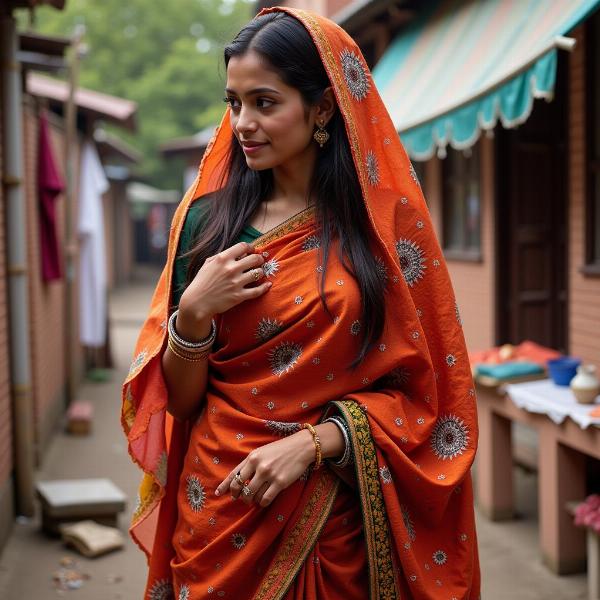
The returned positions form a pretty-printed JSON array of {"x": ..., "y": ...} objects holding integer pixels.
[
  {"x": 264, "y": 103},
  {"x": 231, "y": 101}
]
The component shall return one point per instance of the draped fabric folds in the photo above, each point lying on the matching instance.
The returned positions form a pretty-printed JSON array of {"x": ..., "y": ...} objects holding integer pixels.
[{"x": 405, "y": 528}]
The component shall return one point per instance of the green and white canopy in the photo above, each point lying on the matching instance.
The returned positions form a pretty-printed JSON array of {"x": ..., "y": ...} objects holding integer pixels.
[{"x": 464, "y": 64}]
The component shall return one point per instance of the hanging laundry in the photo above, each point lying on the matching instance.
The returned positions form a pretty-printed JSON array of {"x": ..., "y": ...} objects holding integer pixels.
[
  {"x": 92, "y": 256},
  {"x": 50, "y": 186}
]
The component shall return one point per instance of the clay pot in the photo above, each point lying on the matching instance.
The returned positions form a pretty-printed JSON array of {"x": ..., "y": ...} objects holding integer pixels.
[{"x": 585, "y": 385}]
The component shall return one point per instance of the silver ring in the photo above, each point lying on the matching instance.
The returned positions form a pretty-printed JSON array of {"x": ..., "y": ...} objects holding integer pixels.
[
  {"x": 238, "y": 479},
  {"x": 247, "y": 491}
]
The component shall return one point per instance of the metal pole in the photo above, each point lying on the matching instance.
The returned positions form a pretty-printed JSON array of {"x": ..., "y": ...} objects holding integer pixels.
[
  {"x": 71, "y": 343},
  {"x": 17, "y": 268}
]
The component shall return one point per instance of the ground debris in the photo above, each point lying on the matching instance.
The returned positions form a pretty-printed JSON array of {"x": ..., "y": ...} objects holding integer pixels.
[{"x": 69, "y": 576}]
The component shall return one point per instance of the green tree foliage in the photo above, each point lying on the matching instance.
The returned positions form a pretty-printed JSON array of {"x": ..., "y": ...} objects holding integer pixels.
[{"x": 167, "y": 56}]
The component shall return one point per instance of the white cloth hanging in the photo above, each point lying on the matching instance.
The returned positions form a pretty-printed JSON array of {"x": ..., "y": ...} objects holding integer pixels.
[{"x": 92, "y": 257}]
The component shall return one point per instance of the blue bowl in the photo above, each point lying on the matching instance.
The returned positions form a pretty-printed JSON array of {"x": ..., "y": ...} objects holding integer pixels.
[{"x": 563, "y": 369}]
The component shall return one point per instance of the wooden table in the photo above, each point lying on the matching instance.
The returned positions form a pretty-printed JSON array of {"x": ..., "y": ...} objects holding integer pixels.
[{"x": 561, "y": 471}]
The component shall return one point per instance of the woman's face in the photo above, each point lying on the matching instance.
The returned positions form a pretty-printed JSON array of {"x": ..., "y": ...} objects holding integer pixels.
[{"x": 268, "y": 117}]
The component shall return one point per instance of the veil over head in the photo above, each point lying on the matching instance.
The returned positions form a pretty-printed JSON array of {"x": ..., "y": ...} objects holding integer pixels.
[{"x": 412, "y": 413}]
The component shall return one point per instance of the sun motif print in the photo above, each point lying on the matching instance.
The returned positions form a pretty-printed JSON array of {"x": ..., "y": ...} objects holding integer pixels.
[
  {"x": 382, "y": 270},
  {"x": 161, "y": 590},
  {"x": 355, "y": 74},
  {"x": 196, "y": 495},
  {"x": 270, "y": 267},
  {"x": 282, "y": 428},
  {"x": 372, "y": 168},
  {"x": 412, "y": 261},
  {"x": 267, "y": 328},
  {"x": 312, "y": 242},
  {"x": 450, "y": 437},
  {"x": 410, "y": 528},
  {"x": 284, "y": 357},
  {"x": 238, "y": 541}
]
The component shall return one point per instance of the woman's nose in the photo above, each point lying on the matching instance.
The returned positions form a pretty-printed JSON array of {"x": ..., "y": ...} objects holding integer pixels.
[{"x": 245, "y": 121}]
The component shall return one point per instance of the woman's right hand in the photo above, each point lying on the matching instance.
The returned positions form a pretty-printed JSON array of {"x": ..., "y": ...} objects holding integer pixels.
[{"x": 222, "y": 283}]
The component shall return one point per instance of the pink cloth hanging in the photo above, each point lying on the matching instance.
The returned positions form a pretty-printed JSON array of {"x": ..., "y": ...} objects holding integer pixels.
[{"x": 50, "y": 185}]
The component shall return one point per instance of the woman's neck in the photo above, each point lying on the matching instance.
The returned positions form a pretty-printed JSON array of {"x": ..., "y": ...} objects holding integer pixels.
[{"x": 292, "y": 181}]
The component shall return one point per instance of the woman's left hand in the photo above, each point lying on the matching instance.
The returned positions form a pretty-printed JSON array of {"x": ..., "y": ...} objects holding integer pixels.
[{"x": 270, "y": 469}]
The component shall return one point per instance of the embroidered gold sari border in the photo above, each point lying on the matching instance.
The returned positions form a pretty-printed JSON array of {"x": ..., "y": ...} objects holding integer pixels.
[
  {"x": 300, "y": 540},
  {"x": 382, "y": 580},
  {"x": 286, "y": 227}
]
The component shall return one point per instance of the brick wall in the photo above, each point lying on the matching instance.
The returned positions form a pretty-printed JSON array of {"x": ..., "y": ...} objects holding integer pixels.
[
  {"x": 473, "y": 282},
  {"x": 46, "y": 300},
  {"x": 6, "y": 438},
  {"x": 584, "y": 291}
]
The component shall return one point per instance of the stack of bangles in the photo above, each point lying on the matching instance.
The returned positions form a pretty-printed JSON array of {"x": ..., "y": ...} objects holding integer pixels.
[
  {"x": 186, "y": 350},
  {"x": 346, "y": 457}
]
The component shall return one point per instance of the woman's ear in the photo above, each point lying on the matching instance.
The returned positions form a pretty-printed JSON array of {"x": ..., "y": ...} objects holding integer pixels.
[{"x": 326, "y": 107}]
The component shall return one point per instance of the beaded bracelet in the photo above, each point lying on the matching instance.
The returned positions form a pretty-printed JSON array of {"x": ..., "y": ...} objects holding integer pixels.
[
  {"x": 317, "y": 441},
  {"x": 347, "y": 456},
  {"x": 185, "y": 347}
]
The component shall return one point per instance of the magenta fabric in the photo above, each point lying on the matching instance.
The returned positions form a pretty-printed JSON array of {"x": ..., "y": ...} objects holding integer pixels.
[{"x": 50, "y": 185}]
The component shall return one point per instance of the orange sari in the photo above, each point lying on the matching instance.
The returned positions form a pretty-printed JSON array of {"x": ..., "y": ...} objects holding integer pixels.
[{"x": 407, "y": 529}]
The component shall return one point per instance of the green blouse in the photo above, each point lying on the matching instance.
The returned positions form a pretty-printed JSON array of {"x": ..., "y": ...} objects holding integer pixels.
[{"x": 189, "y": 232}]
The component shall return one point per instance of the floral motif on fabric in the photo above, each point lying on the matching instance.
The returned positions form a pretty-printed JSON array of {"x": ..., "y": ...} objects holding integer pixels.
[
  {"x": 312, "y": 242},
  {"x": 396, "y": 378},
  {"x": 412, "y": 261},
  {"x": 457, "y": 314},
  {"x": 270, "y": 267},
  {"x": 284, "y": 357},
  {"x": 355, "y": 74},
  {"x": 138, "y": 361},
  {"x": 372, "y": 168},
  {"x": 238, "y": 541},
  {"x": 184, "y": 592},
  {"x": 410, "y": 528},
  {"x": 161, "y": 469},
  {"x": 439, "y": 557},
  {"x": 450, "y": 360},
  {"x": 381, "y": 270},
  {"x": 267, "y": 328},
  {"x": 196, "y": 496},
  {"x": 450, "y": 437},
  {"x": 386, "y": 476},
  {"x": 413, "y": 174},
  {"x": 161, "y": 590},
  {"x": 355, "y": 327},
  {"x": 282, "y": 428}
]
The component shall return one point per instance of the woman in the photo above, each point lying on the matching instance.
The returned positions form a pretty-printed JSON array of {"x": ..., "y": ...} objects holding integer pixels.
[{"x": 322, "y": 442}]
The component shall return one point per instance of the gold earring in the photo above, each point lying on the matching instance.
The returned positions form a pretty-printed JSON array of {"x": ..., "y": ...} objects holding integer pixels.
[{"x": 321, "y": 136}]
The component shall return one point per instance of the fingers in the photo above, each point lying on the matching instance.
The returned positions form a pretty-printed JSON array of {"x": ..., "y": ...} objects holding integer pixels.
[
  {"x": 258, "y": 496},
  {"x": 253, "y": 276},
  {"x": 255, "y": 292},
  {"x": 237, "y": 250},
  {"x": 250, "y": 262},
  {"x": 230, "y": 483}
]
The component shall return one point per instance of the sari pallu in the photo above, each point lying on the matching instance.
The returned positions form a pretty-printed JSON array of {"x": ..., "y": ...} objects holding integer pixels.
[{"x": 410, "y": 405}]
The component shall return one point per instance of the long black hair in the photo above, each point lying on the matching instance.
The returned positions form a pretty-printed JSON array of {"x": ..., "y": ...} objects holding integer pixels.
[{"x": 339, "y": 208}]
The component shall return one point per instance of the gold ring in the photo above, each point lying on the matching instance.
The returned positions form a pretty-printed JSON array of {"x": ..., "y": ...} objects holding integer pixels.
[
  {"x": 247, "y": 491},
  {"x": 238, "y": 479},
  {"x": 256, "y": 274}
]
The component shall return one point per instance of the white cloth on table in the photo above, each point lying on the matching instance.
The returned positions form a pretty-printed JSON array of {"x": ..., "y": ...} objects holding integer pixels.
[
  {"x": 555, "y": 401},
  {"x": 92, "y": 258}
]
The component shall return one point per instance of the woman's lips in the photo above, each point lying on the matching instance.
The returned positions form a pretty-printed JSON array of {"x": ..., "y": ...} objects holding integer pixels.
[{"x": 253, "y": 147}]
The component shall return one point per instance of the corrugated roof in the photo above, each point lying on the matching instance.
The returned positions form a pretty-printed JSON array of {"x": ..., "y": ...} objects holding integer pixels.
[{"x": 97, "y": 104}]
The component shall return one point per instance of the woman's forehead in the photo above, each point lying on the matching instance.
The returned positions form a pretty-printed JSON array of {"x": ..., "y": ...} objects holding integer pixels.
[{"x": 251, "y": 73}]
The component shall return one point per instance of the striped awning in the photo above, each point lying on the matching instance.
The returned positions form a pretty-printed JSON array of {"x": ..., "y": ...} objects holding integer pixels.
[{"x": 464, "y": 64}]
